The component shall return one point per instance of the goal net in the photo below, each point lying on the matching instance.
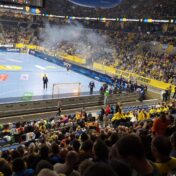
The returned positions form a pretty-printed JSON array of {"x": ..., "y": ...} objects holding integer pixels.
[{"x": 66, "y": 88}]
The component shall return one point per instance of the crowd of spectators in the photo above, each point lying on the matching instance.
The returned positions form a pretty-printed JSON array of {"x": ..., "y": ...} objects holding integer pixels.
[
  {"x": 146, "y": 54},
  {"x": 146, "y": 49},
  {"x": 114, "y": 141},
  {"x": 135, "y": 52}
]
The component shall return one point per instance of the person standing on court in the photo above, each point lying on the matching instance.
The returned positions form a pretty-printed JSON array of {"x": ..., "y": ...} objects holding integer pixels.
[
  {"x": 91, "y": 86},
  {"x": 45, "y": 82}
]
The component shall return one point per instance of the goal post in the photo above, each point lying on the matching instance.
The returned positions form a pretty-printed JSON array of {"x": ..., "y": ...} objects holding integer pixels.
[{"x": 66, "y": 88}]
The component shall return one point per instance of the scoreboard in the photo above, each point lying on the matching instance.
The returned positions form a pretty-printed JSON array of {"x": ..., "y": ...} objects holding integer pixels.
[{"x": 35, "y": 3}]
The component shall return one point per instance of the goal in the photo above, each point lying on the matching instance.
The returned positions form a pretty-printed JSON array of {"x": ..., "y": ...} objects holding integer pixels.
[{"x": 66, "y": 88}]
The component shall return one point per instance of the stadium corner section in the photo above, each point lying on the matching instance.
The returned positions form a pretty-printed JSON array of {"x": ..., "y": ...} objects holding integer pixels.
[
  {"x": 38, "y": 50},
  {"x": 102, "y": 77},
  {"x": 111, "y": 71}
]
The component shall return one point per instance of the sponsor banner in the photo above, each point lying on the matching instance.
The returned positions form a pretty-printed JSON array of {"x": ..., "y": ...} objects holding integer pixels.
[
  {"x": 68, "y": 57},
  {"x": 73, "y": 58},
  {"x": 13, "y": 50},
  {"x": 3, "y": 49},
  {"x": 105, "y": 68},
  {"x": 21, "y": 45},
  {"x": 133, "y": 76},
  {"x": 6, "y": 46}
]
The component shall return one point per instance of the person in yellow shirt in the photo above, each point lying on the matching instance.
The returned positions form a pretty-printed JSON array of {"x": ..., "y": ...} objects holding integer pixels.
[
  {"x": 117, "y": 119},
  {"x": 166, "y": 109},
  {"x": 141, "y": 115},
  {"x": 161, "y": 148},
  {"x": 124, "y": 116},
  {"x": 78, "y": 116},
  {"x": 158, "y": 110},
  {"x": 152, "y": 112},
  {"x": 147, "y": 114},
  {"x": 117, "y": 116}
]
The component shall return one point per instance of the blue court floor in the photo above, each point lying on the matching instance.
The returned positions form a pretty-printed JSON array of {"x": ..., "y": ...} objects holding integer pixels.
[{"x": 21, "y": 76}]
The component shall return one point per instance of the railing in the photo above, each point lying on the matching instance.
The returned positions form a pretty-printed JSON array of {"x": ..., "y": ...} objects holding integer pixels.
[{"x": 48, "y": 105}]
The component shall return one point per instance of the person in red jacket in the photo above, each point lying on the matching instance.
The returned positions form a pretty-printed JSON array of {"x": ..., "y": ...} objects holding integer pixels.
[
  {"x": 108, "y": 109},
  {"x": 160, "y": 125}
]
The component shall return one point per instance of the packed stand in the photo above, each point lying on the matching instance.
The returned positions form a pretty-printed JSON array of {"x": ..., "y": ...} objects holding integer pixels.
[
  {"x": 114, "y": 141},
  {"x": 133, "y": 47}
]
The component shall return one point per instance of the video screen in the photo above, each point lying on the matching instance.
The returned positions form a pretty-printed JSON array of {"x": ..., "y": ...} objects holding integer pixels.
[{"x": 35, "y": 3}]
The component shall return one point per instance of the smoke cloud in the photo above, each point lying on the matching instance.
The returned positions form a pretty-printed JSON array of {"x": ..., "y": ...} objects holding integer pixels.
[{"x": 83, "y": 41}]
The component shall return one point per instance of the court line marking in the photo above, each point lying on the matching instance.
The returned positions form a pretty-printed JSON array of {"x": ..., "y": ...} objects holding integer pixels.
[
  {"x": 40, "y": 67},
  {"x": 14, "y": 60}
]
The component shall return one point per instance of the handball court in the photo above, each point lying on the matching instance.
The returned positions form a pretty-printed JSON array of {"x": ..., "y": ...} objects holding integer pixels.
[{"x": 21, "y": 78}]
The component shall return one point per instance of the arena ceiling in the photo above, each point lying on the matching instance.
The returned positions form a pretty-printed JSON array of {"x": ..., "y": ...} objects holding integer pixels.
[{"x": 97, "y": 3}]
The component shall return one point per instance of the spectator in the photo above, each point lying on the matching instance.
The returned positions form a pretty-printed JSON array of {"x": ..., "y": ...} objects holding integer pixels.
[
  {"x": 121, "y": 168},
  {"x": 99, "y": 169},
  {"x": 173, "y": 143},
  {"x": 59, "y": 108},
  {"x": 101, "y": 114},
  {"x": 100, "y": 151},
  {"x": 5, "y": 169},
  {"x": 43, "y": 164},
  {"x": 44, "y": 153},
  {"x": 47, "y": 172},
  {"x": 55, "y": 158},
  {"x": 131, "y": 150},
  {"x": 161, "y": 148},
  {"x": 32, "y": 157},
  {"x": 76, "y": 145},
  {"x": 69, "y": 165},
  {"x": 86, "y": 151},
  {"x": 91, "y": 142},
  {"x": 19, "y": 169},
  {"x": 108, "y": 110},
  {"x": 84, "y": 165},
  {"x": 160, "y": 125},
  {"x": 106, "y": 95}
]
